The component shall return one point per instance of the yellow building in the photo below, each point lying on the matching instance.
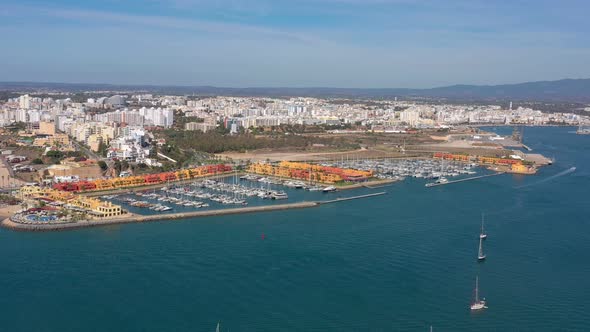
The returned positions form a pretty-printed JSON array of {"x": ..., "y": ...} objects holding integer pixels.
[
  {"x": 94, "y": 141},
  {"x": 305, "y": 172},
  {"x": 522, "y": 169},
  {"x": 46, "y": 128},
  {"x": 93, "y": 206},
  {"x": 60, "y": 140}
]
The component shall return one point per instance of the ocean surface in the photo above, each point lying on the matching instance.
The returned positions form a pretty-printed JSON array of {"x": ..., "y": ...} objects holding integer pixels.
[{"x": 399, "y": 262}]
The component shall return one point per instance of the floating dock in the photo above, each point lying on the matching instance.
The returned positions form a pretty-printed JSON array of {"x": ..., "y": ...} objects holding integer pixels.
[{"x": 466, "y": 179}]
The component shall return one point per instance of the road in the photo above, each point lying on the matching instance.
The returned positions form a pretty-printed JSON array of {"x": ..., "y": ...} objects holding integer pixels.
[
  {"x": 7, "y": 179},
  {"x": 87, "y": 151}
]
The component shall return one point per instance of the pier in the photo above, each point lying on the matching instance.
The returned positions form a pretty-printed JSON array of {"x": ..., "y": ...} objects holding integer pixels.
[{"x": 466, "y": 179}]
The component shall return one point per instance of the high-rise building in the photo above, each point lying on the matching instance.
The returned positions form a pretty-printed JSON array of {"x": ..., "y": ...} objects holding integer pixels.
[
  {"x": 24, "y": 102},
  {"x": 21, "y": 115},
  {"x": 34, "y": 116}
]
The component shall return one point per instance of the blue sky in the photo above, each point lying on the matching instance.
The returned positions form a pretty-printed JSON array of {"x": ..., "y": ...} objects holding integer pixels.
[{"x": 296, "y": 43}]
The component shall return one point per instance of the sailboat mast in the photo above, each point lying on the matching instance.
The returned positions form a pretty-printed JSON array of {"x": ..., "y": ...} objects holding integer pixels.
[
  {"x": 477, "y": 289},
  {"x": 482, "y": 223}
]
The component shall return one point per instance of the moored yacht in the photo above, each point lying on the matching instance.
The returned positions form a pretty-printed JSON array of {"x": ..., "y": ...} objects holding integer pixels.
[
  {"x": 279, "y": 195},
  {"x": 329, "y": 189}
]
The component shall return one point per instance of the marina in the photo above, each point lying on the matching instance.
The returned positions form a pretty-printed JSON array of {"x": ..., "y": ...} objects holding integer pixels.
[
  {"x": 229, "y": 191},
  {"x": 400, "y": 169},
  {"x": 213, "y": 193},
  {"x": 411, "y": 255}
]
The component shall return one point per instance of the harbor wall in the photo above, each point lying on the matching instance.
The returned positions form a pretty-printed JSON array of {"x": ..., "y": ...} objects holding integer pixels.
[
  {"x": 133, "y": 218},
  {"x": 9, "y": 223}
]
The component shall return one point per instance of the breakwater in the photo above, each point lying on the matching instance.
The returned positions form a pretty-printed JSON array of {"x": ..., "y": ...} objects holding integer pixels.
[
  {"x": 343, "y": 199},
  {"x": 466, "y": 179},
  {"x": 133, "y": 218},
  {"x": 373, "y": 184}
]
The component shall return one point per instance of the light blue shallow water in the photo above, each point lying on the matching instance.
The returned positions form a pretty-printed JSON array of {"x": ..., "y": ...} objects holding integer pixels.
[{"x": 403, "y": 261}]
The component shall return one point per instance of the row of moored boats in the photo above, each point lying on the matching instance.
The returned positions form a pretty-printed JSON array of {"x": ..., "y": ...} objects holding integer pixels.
[
  {"x": 288, "y": 183},
  {"x": 399, "y": 169}
]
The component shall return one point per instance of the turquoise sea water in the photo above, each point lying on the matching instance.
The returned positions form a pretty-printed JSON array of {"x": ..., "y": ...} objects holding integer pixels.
[{"x": 399, "y": 262}]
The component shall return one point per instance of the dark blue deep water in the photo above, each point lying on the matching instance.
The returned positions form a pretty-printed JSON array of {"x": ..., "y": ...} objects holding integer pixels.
[{"x": 399, "y": 262}]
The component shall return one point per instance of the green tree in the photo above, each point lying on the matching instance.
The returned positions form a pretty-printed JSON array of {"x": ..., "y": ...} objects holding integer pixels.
[
  {"x": 102, "y": 149},
  {"x": 117, "y": 166},
  {"x": 103, "y": 165},
  {"x": 54, "y": 154}
]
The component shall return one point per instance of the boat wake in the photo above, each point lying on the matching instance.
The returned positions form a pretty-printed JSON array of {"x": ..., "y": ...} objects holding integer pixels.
[{"x": 552, "y": 177}]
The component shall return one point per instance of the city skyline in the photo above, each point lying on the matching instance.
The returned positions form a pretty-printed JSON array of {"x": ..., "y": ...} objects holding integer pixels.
[{"x": 331, "y": 43}]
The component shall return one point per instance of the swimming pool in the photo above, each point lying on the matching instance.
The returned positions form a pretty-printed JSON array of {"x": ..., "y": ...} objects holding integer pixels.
[{"x": 36, "y": 218}]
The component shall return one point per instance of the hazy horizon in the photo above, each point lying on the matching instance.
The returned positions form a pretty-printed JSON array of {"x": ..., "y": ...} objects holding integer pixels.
[
  {"x": 305, "y": 43},
  {"x": 278, "y": 87}
]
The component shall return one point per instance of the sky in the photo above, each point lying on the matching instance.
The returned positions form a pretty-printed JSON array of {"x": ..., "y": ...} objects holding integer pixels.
[{"x": 294, "y": 43}]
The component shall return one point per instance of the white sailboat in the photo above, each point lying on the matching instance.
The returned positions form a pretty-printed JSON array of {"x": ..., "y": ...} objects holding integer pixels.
[
  {"x": 477, "y": 303},
  {"x": 480, "y": 255},
  {"x": 482, "y": 235},
  {"x": 217, "y": 329}
]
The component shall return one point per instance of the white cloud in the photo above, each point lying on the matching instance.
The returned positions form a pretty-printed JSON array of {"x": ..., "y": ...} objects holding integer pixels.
[{"x": 230, "y": 29}]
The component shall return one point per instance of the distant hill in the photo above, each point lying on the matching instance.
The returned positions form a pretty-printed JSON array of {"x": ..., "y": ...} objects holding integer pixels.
[
  {"x": 566, "y": 90},
  {"x": 562, "y": 90}
]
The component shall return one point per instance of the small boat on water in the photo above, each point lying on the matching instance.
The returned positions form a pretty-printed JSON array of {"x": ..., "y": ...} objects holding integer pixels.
[
  {"x": 477, "y": 303},
  {"x": 329, "y": 189},
  {"x": 482, "y": 234},
  {"x": 480, "y": 255},
  {"x": 315, "y": 188},
  {"x": 583, "y": 130},
  {"x": 279, "y": 195},
  {"x": 441, "y": 180}
]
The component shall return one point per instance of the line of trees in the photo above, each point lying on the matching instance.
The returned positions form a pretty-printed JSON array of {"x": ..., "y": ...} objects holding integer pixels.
[{"x": 215, "y": 142}]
